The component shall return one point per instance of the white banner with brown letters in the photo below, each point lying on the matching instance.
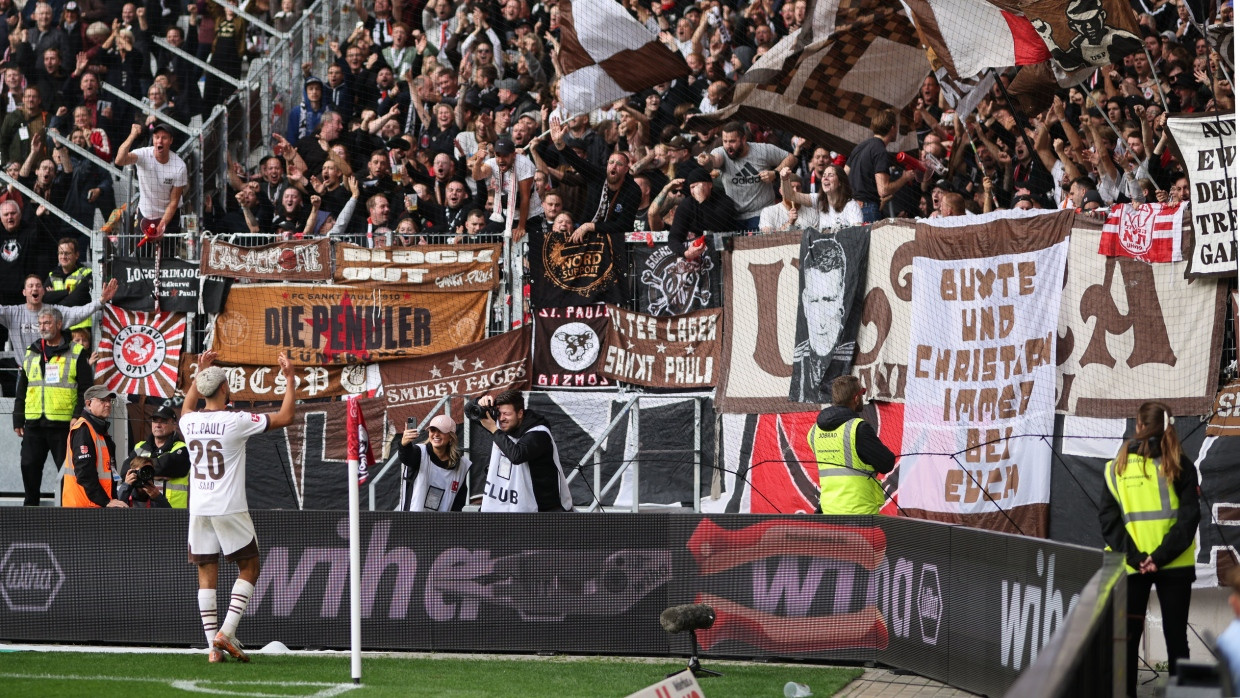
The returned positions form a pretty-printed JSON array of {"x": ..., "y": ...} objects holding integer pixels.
[{"x": 679, "y": 352}]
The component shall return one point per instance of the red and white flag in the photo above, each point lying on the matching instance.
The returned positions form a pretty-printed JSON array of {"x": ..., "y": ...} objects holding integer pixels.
[
  {"x": 969, "y": 36},
  {"x": 607, "y": 55},
  {"x": 1148, "y": 232},
  {"x": 360, "y": 455},
  {"x": 139, "y": 352}
]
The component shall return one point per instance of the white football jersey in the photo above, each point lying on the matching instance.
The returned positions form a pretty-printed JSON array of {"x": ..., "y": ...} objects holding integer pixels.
[{"x": 216, "y": 445}]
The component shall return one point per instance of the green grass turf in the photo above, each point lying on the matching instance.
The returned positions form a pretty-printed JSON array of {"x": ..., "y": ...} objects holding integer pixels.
[{"x": 141, "y": 675}]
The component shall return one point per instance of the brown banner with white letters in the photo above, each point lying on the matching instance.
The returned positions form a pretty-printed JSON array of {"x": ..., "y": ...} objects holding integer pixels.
[
  {"x": 323, "y": 325},
  {"x": 428, "y": 267},
  {"x": 300, "y": 260},
  {"x": 414, "y": 386},
  {"x": 258, "y": 383},
  {"x": 1128, "y": 331},
  {"x": 681, "y": 351}
]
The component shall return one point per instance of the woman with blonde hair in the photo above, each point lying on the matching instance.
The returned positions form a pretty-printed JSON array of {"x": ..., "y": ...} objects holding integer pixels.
[
  {"x": 434, "y": 473},
  {"x": 1149, "y": 512}
]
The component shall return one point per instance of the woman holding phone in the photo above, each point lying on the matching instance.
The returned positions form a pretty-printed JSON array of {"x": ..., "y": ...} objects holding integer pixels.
[{"x": 435, "y": 473}]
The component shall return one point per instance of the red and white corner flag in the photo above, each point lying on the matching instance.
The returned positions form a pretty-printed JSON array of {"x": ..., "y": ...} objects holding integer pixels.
[
  {"x": 969, "y": 36},
  {"x": 607, "y": 55},
  {"x": 360, "y": 455},
  {"x": 1148, "y": 232}
]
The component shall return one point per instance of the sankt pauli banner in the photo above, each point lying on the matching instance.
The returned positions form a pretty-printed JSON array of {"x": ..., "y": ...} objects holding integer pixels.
[
  {"x": 663, "y": 352},
  {"x": 323, "y": 325},
  {"x": 266, "y": 383},
  {"x": 428, "y": 267},
  {"x": 294, "y": 260}
]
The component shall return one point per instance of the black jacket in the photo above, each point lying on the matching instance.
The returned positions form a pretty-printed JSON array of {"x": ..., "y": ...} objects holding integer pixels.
[
  {"x": 168, "y": 460},
  {"x": 85, "y": 379},
  {"x": 1176, "y": 540},
  {"x": 82, "y": 450},
  {"x": 873, "y": 452},
  {"x": 536, "y": 450},
  {"x": 717, "y": 214}
]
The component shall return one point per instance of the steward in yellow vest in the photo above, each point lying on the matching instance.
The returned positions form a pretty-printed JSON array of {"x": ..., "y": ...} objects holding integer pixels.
[
  {"x": 90, "y": 455},
  {"x": 70, "y": 282},
  {"x": 849, "y": 454},
  {"x": 169, "y": 457},
  {"x": 1149, "y": 511}
]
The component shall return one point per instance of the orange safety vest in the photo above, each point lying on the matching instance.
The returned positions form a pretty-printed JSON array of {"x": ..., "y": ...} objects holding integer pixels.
[{"x": 72, "y": 494}]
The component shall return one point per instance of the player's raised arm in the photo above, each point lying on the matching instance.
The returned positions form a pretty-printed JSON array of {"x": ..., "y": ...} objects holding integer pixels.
[{"x": 284, "y": 417}]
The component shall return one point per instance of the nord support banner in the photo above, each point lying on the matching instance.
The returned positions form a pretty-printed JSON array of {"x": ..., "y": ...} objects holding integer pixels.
[{"x": 343, "y": 324}]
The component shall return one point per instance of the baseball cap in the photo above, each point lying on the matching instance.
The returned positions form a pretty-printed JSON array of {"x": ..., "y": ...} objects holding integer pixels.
[
  {"x": 398, "y": 144},
  {"x": 209, "y": 380},
  {"x": 1093, "y": 196},
  {"x": 71, "y": 7},
  {"x": 313, "y": 79},
  {"x": 443, "y": 423},
  {"x": 505, "y": 146},
  {"x": 678, "y": 142},
  {"x": 161, "y": 126},
  {"x": 944, "y": 185},
  {"x": 698, "y": 175},
  {"x": 99, "y": 392},
  {"x": 165, "y": 412},
  {"x": 579, "y": 143}
]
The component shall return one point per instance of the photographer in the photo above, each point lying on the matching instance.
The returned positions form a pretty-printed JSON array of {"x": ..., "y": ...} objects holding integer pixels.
[
  {"x": 139, "y": 489},
  {"x": 168, "y": 455},
  {"x": 524, "y": 473},
  {"x": 438, "y": 488}
]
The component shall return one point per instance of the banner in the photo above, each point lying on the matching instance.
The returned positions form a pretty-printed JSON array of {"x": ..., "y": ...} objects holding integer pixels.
[
  {"x": 833, "y": 269},
  {"x": 427, "y": 267},
  {"x": 761, "y": 289},
  {"x": 139, "y": 352},
  {"x": 178, "y": 285},
  {"x": 1148, "y": 232},
  {"x": 565, "y": 273},
  {"x": 569, "y": 347},
  {"x": 1225, "y": 419},
  {"x": 260, "y": 383},
  {"x": 1081, "y": 34},
  {"x": 666, "y": 283},
  {"x": 1207, "y": 146},
  {"x": 322, "y": 325},
  {"x": 360, "y": 454},
  {"x": 412, "y": 387},
  {"x": 671, "y": 352},
  {"x": 295, "y": 260},
  {"x": 1128, "y": 331},
  {"x": 979, "y": 409}
]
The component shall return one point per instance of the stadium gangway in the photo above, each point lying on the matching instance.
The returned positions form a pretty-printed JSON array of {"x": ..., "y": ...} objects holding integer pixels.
[
  {"x": 146, "y": 109},
  {"x": 444, "y": 403}
]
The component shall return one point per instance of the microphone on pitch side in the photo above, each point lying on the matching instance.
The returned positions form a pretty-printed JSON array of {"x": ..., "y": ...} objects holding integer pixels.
[{"x": 693, "y": 616}]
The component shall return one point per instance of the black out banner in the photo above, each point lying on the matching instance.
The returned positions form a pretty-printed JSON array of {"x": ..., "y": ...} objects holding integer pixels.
[
  {"x": 563, "y": 272},
  {"x": 969, "y": 607},
  {"x": 833, "y": 275},
  {"x": 178, "y": 284},
  {"x": 569, "y": 344},
  {"x": 665, "y": 283}
]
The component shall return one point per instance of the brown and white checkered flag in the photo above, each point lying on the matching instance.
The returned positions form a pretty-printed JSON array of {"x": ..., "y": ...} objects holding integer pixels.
[{"x": 827, "y": 80}]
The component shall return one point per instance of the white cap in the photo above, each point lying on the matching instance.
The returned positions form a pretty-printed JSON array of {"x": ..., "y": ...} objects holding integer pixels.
[
  {"x": 209, "y": 380},
  {"x": 443, "y": 423}
]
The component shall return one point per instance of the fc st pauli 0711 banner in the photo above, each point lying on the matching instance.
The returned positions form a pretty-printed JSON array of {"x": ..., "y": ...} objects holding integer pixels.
[{"x": 140, "y": 352}]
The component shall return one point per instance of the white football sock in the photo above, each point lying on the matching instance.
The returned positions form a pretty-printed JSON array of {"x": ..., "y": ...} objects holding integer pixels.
[
  {"x": 241, "y": 592},
  {"x": 206, "y": 607}
]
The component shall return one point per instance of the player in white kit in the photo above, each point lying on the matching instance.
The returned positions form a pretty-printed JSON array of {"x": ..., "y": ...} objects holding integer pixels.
[{"x": 219, "y": 516}]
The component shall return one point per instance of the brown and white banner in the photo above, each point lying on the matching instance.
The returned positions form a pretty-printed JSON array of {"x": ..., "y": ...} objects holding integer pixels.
[
  {"x": 428, "y": 267},
  {"x": 322, "y": 325},
  {"x": 1128, "y": 331},
  {"x": 762, "y": 292},
  {"x": 979, "y": 408},
  {"x": 1225, "y": 420},
  {"x": 266, "y": 383},
  {"x": 299, "y": 260},
  {"x": 414, "y": 386},
  {"x": 681, "y": 351},
  {"x": 1207, "y": 145},
  {"x": 569, "y": 344}
]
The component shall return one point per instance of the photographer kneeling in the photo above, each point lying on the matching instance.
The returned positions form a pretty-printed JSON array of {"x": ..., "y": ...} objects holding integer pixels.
[
  {"x": 139, "y": 489},
  {"x": 524, "y": 473},
  {"x": 435, "y": 473}
]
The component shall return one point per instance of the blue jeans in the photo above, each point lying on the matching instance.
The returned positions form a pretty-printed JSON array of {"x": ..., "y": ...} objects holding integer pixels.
[{"x": 869, "y": 212}]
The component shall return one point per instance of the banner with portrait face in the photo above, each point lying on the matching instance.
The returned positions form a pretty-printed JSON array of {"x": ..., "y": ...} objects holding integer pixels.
[
  {"x": 427, "y": 267},
  {"x": 324, "y": 325},
  {"x": 569, "y": 346},
  {"x": 833, "y": 271},
  {"x": 294, "y": 260},
  {"x": 139, "y": 352}
]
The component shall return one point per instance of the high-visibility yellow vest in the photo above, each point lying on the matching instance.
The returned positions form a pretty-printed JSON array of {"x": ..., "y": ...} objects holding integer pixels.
[
  {"x": 53, "y": 399},
  {"x": 1149, "y": 503},
  {"x": 847, "y": 485},
  {"x": 175, "y": 489},
  {"x": 72, "y": 494},
  {"x": 68, "y": 282}
]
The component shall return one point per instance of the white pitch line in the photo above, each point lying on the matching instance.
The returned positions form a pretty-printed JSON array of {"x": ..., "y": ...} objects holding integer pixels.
[{"x": 329, "y": 689}]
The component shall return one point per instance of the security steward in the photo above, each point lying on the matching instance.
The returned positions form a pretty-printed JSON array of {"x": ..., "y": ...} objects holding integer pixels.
[
  {"x": 168, "y": 455},
  {"x": 70, "y": 282},
  {"x": 51, "y": 391},
  {"x": 88, "y": 464},
  {"x": 849, "y": 453}
]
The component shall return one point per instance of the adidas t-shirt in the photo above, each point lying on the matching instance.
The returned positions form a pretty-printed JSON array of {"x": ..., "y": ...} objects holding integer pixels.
[
  {"x": 216, "y": 445},
  {"x": 740, "y": 177}
]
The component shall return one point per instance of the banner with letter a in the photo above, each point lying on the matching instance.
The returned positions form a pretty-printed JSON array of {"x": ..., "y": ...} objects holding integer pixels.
[{"x": 979, "y": 409}]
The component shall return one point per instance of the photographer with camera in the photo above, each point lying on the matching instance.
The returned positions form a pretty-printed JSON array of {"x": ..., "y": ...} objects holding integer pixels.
[
  {"x": 524, "y": 473},
  {"x": 434, "y": 473},
  {"x": 139, "y": 489},
  {"x": 168, "y": 456}
]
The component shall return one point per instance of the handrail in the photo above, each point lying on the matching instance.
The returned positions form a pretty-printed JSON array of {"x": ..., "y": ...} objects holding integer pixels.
[
  {"x": 53, "y": 208},
  {"x": 116, "y": 172},
  {"x": 198, "y": 63},
  {"x": 251, "y": 19},
  {"x": 146, "y": 109}
]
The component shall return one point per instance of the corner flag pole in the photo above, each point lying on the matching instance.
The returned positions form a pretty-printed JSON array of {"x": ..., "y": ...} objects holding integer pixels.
[{"x": 355, "y": 576}]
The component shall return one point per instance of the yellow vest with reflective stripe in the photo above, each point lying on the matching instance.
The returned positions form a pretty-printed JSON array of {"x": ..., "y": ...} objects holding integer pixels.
[
  {"x": 175, "y": 489},
  {"x": 53, "y": 400},
  {"x": 70, "y": 282},
  {"x": 1149, "y": 503},
  {"x": 847, "y": 485}
]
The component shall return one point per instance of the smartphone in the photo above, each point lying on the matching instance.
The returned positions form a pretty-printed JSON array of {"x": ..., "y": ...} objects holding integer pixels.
[{"x": 411, "y": 423}]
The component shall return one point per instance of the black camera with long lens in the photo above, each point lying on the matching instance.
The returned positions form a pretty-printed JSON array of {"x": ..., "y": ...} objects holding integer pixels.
[{"x": 478, "y": 412}]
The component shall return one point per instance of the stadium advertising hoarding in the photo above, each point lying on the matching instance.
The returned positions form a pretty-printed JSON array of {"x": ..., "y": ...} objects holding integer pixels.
[{"x": 965, "y": 606}]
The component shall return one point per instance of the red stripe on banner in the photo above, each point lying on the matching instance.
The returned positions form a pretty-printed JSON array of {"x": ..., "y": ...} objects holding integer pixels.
[{"x": 1028, "y": 47}]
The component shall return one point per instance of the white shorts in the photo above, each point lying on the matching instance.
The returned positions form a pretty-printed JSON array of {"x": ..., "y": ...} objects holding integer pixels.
[{"x": 230, "y": 534}]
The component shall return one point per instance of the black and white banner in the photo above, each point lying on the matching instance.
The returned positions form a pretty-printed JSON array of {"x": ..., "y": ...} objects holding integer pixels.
[
  {"x": 665, "y": 283},
  {"x": 569, "y": 345},
  {"x": 1207, "y": 146}
]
